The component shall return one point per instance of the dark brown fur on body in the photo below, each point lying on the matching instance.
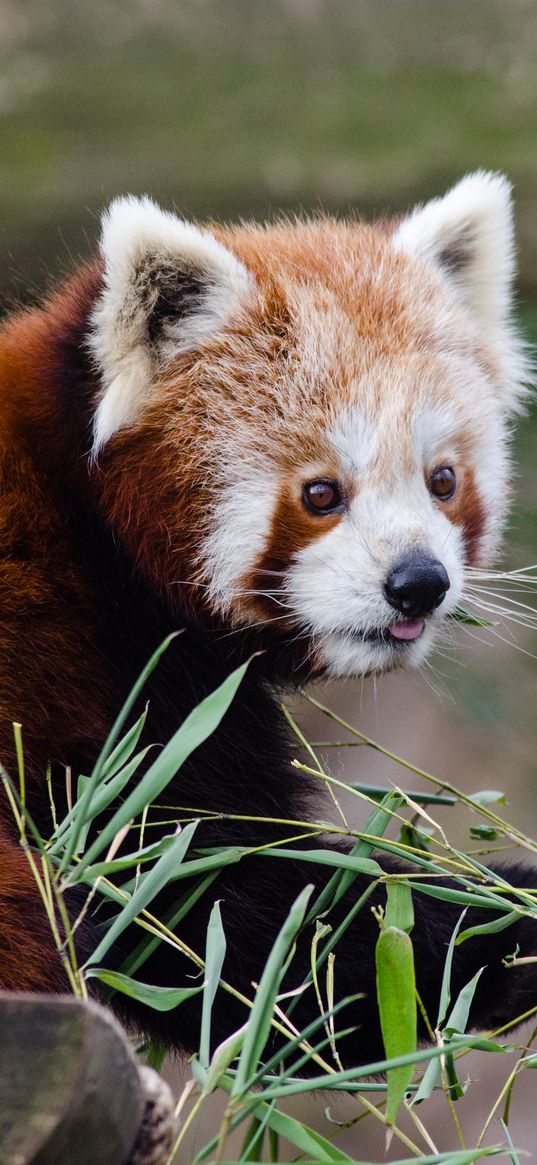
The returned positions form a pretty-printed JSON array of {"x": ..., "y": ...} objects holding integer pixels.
[{"x": 99, "y": 563}]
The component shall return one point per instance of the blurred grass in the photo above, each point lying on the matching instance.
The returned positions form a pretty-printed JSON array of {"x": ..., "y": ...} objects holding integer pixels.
[{"x": 234, "y": 107}]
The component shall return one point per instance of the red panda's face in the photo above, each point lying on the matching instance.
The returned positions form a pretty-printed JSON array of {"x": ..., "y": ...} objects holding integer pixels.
[
  {"x": 327, "y": 406},
  {"x": 347, "y": 520}
]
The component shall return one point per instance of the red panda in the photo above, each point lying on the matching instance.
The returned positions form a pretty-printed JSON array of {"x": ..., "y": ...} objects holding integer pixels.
[{"x": 291, "y": 439}]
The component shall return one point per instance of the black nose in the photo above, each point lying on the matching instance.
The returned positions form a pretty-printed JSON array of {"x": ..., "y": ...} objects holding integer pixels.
[{"x": 417, "y": 585}]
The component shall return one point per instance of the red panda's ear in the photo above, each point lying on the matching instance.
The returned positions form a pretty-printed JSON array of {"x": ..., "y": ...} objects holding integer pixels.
[
  {"x": 468, "y": 235},
  {"x": 169, "y": 287}
]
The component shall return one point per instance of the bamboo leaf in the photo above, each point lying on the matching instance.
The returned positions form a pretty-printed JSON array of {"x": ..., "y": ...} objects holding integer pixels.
[
  {"x": 455, "y": 1024},
  {"x": 378, "y": 822},
  {"x": 299, "y": 1134},
  {"x": 158, "y": 998},
  {"x": 223, "y": 1056},
  {"x": 329, "y": 1082},
  {"x": 492, "y": 927},
  {"x": 483, "y": 833},
  {"x": 260, "y": 1017},
  {"x": 458, "y": 1017},
  {"x": 445, "y": 991},
  {"x": 463, "y": 897},
  {"x": 96, "y": 775},
  {"x": 432, "y": 1072},
  {"x": 515, "y": 1159},
  {"x": 341, "y": 880},
  {"x": 192, "y": 868},
  {"x": 396, "y": 995},
  {"x": 460, "y": 615},
  {"x": 428, "y": 1082},
  {"x": 399, "y": 906},
  {"x": 124, "y": 750},
  {"x": 422, "y": 797},
  {"x": 138, "y": 857},
  {"x": 489, "y": 797},
  {"x": 148, "y": 943},
  {"x": 455, "y": 1157},
  {"x": 214, "y": 957},
  {"x": 107, "y": 792},
  {"x": 148, "y": 888},
  {"x": 198, "y": 726},
  {"x": 327, "y": 857},
  {"x": 252, "y": 1145}
]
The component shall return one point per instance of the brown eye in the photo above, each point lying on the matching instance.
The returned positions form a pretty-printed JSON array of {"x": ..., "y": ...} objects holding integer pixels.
[
  {"x": 443, "y": 482},
  {"x": 322, "y": 497}
]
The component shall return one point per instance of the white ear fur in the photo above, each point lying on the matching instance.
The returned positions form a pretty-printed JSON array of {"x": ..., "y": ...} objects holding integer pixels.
[
  {"x": 158, "y": 270},
  {"x": 468, "y": 234},
  {"x": 468, "y": 237}
]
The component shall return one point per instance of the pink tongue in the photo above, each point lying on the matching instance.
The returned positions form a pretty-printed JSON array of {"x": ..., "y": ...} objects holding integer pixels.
[{"x": 409, "y": 630}]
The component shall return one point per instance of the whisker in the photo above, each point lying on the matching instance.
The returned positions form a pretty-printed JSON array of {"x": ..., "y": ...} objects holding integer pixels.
[
  {"x": 253, "y": 626},
  {"x": 449, "y": 652},
  {"x": 521, "y": 619},
  {"x": 513, "y": 586},
  {"x": 480, "y": 592},
  {"x": 511, "y": 643},
  {"x": 439, "y": 690},
  {"x": 510, "y": 576},
  {"x": 497, "y": 607},
  {"x": 275, "y": 598},
  {"x": 189, "y": 582},
  {"x": 262, "y": 570},
  {"x": 478, "y": 638},
  {"x": 502, "y": 638}
]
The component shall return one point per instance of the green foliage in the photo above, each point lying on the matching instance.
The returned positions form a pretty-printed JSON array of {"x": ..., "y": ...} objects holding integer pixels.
[
  {"x": 396, "y": 995},
  {"x": 92, "y": 847}
]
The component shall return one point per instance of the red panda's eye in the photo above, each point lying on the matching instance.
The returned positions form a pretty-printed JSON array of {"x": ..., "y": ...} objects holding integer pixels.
[
  {"x": 443, "y": 482},
  {"x": 322, "y": 496}
]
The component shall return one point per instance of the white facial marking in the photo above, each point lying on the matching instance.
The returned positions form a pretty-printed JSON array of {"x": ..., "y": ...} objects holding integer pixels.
[
  {"x": 354, "y": 439},
  {"x": 336, "y": 584},
  {"x": 333, "y": 588},
  {"x": 241, "y": 521},
  {"x": 434, "y": 432}
]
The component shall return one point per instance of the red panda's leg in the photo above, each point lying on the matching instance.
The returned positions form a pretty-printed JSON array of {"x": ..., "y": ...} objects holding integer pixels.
[{"x": 28, "y": 958}]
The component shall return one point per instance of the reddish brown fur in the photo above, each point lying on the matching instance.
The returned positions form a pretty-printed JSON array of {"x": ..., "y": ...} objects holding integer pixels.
[
  {"x": 467, "y": 510},
  {"x": 43, "y": 685},
  {"x": 23, "y": 924},
  {"x": 473, "y": 522}
]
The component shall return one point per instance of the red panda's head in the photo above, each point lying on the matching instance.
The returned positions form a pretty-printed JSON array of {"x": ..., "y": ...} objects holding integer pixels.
[{"x": 303, "y": 427}]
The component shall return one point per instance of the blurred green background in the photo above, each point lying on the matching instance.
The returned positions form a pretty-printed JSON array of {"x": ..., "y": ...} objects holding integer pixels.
[
  {"x": 239, "y": 107},
  {"x": 231, "y": 108}
]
